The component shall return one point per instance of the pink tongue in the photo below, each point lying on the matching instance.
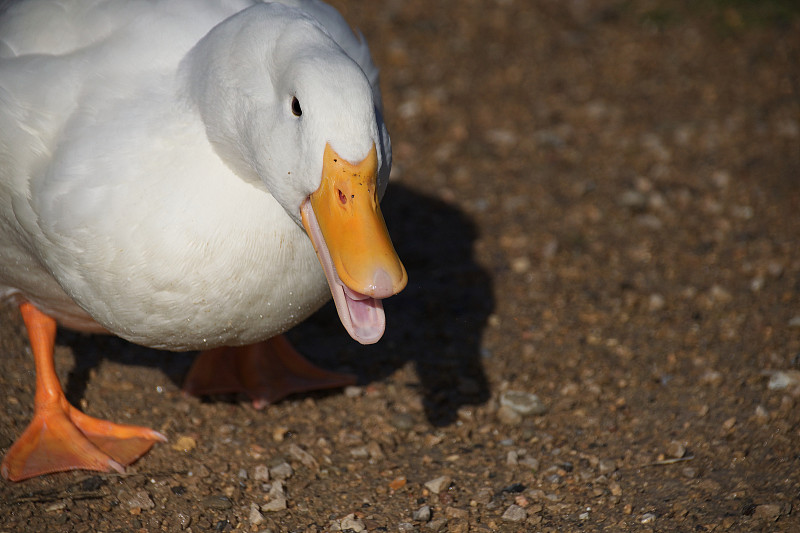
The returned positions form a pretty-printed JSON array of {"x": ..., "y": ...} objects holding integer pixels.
[
  {"x": 366, "y": 318},
  {"x": 361, "y": 315}
]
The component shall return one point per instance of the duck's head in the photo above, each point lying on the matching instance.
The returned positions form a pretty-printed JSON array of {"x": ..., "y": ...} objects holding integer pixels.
[{"x": 289, "y": 110}]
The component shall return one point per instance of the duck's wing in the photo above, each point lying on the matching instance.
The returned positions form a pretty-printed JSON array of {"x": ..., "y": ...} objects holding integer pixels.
[{"x": 58, "y": 28}]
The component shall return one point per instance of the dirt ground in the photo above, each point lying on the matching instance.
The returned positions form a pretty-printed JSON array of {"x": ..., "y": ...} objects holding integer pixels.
[{"x": 597, "y": 203}]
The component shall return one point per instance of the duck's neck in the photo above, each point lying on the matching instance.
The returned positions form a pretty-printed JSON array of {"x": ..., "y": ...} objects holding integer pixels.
[{"x": 213, "y": 87}]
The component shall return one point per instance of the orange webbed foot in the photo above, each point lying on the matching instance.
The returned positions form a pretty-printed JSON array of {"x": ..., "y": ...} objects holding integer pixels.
[
  {"x": 265, "y": 372},
  {"x": 60, "y": 437}
]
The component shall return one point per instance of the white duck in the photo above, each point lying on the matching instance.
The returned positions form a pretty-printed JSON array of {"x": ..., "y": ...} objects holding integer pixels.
[{"x": 159, "y": 162}]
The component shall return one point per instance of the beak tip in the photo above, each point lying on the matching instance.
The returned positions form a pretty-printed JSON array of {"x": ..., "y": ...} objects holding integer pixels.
[{"x": 382, "y": 286}]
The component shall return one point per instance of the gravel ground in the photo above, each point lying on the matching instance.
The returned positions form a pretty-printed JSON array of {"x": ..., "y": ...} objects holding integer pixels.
[{"x": 597, "y": 205}]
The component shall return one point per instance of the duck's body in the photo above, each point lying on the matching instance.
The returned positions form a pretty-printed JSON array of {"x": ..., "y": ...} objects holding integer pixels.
[
  {"x": 116, "y": 209},
  {"x": 200, "y": 259},
  {"x": 156, "y": 176},
  {"x": 163, "y": 245}
]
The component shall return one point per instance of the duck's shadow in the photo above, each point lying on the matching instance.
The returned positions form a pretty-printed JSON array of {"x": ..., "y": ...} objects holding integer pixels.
[{"x": 436, "y": 322}]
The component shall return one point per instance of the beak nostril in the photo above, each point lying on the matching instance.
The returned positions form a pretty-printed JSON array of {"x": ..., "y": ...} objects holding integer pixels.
[{"x": 342, "y": 197}]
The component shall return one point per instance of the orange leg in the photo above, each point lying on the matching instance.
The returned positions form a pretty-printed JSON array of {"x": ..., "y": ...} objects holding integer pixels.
[
  {"x": 60, "y": 437},
  {"x": 266, "y": 372}
]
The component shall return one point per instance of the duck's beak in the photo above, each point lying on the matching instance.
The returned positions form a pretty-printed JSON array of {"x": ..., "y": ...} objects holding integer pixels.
[{"x": 344, "y": 221}]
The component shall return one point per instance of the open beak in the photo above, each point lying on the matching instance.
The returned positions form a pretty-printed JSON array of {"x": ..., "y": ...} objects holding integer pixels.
[{"x": 345, "y": 224}]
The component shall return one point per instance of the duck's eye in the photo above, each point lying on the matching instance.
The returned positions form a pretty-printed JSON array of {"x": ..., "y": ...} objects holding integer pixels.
[{"x": 296, "y": 110}]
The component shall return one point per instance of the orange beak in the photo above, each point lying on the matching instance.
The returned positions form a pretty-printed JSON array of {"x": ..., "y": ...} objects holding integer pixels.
[{"x": 344, "y": 221}]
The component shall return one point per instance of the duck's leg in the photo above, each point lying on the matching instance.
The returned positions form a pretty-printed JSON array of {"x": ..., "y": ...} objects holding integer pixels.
[
  {"x": 60, "y": 437},
  {"x": 266, "y": 372}
]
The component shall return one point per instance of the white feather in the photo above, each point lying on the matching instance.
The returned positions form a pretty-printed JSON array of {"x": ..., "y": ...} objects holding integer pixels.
[{"x": 151, "y": 170}]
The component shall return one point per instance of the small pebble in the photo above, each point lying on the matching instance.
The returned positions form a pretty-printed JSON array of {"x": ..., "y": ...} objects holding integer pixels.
[
  {"x": 721, "y": 178},
  {"x": 279, "y": 433},
  {"x": 308, "y": 460},
  {"x": 353, "y": 392},
  {"x": 631, "y": 198},
  {"x": 454, "y": 513},
  {"x": 689, "y": 472},
  {"x": 555, "y": 479},
  {"x": 524, "y": 403},
  {"x": 350, "y": 522},
  {"x": 606, "y": 466},
  {"x": 359, "y": 452},
  {"x": 375, "y": 451},
  {"x": 649, "y": 221},
  {"x": 647, "y": 518},
  {"x": 711, "y": 377},
  {"x": 276, "y": 490},
  {"x": 501, "y": 137},
  {"x": 438, "y": 484},
  {"x": 729, "y": 424},
  {"x": 783, "y": 379},
  {"x": 423, "y": 514},
  {"x": 719, "y": 294},
  {"x": 530, "y": 462},
  {"x": 60, "y": 505},
  {"x": 182, "y": 520},
  {"x": 515, "y": 513},
  {"x": 184, "y": 444},
  {"x": 404, "y": 527},
  {"x": 277, "y": 504},
  {"x": 216, "y": 501},
  {"x": 139, "y": 500},
  {"x": 509, "y": 417},
  {"x": 402, "y": 421},
  {"x": 520, "y": 265},
  {"x": 676, "y": 449},
  {"x": 436, "y": 525},
  {"x": 767, "y": 512},
  {"x": 457, "y": 526},
  {"x": 398, "y": 483},
  {"x": 281, "y": 471},
  {"x": 466, "y": 413},
  {"x": 762, "y": 415},
  {"x": 656, "y": 302},
  {"x": 775, "y": 269},
  {"x": 261, "y": 473},
  {"x": 483, "y": 496},
  {"x": 550, "y": 248},
  {"x": 255, "y": 516}
]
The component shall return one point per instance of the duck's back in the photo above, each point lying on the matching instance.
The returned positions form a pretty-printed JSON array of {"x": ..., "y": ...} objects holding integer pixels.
[
  {"x": 58, "y": 28},
  {"x": 58, "y": 56}
]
